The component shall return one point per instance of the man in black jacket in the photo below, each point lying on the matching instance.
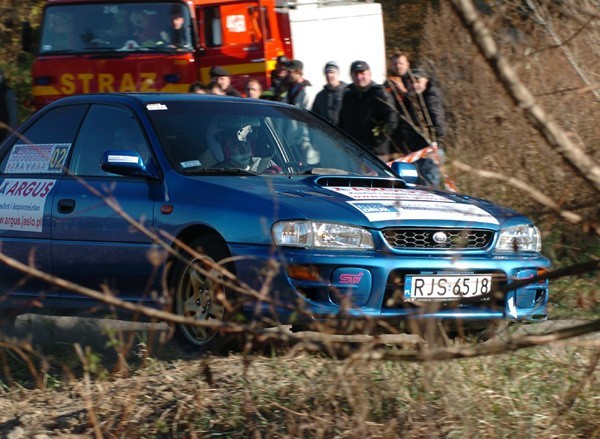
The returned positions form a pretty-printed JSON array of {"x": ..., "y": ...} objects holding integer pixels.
[{"x": 367, "y": 112}]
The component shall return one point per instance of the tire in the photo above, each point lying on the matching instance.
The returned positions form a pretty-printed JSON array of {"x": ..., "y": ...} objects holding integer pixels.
[
  {"x": 198, "y": 296},
  {"x": 7, "y": 322}
]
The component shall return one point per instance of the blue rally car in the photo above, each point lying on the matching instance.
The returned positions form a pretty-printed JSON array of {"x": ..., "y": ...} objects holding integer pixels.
[{"x": 309, "y": 223}]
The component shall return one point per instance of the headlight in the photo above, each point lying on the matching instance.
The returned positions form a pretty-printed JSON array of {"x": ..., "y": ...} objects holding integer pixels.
[
  {"x": 321, "y": 235},
  {"x": 524, "y": 238}
]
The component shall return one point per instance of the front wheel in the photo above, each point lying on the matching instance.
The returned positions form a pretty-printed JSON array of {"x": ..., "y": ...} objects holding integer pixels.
[{"x": 199, "y": 292}]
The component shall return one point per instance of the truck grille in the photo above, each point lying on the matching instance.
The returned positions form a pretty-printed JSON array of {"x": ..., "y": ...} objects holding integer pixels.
[{"x": 454, "y": 239}]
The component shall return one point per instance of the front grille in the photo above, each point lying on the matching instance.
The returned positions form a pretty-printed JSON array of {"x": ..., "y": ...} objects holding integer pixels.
[{"x": 453, "y": 239}]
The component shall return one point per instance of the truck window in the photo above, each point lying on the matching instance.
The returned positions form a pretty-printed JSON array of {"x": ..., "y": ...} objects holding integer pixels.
[
  {"x": 102, "y": 27},
  {"x": 212, "y": 27}
]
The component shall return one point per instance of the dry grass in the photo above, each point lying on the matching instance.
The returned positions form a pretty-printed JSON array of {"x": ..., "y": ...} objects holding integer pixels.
[{"x": 547, "y": 391}]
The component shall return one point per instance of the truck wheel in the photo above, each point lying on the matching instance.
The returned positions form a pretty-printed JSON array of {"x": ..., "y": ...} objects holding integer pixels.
[{"x": 202, "y": 295}]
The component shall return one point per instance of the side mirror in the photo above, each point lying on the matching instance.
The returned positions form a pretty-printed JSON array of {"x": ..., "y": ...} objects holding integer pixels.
[
  {"x": 406, "y": 171},
  {"x": 128, "y": 163}
]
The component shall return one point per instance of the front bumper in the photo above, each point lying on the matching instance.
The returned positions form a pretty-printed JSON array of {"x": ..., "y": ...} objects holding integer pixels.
[{"x": 371, "y": 284}]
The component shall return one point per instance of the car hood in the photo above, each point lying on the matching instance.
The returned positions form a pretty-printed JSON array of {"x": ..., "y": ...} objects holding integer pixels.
[{"x": 369, "y": 202}]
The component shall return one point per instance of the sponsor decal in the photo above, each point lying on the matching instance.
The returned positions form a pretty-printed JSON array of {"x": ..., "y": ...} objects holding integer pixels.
[
  {"x": 423, "y": 210},
  {"x": 37, "y": 158},
  {"x": 190, "y": 164},
  {"x": 114, "y": 158},
  {"x": 350, "y": 279},
  {"x": 389, "y": 204},
  {"x": 22, "y": 203},
  {"x": 154, "y": 107},
  {"x": 235, "y": 23},
  {"x": 382, "y": 193},
  {"x": 375, "y": 208}
]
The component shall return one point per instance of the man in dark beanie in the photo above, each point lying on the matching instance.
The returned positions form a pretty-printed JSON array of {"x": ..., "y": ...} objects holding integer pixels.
[
  {"x": 368, "y": 113},
  {"x": 8, "y": 108},
  {"x": 329, "y": 100}
]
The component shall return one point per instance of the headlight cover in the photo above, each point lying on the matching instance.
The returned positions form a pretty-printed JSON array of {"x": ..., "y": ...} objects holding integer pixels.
[
  {"x": 522, "y": 238},
  {"x": 313, "y": 234}
]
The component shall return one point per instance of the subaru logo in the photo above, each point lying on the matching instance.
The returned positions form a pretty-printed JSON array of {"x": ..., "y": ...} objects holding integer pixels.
[{"x": 440, "y": 237}]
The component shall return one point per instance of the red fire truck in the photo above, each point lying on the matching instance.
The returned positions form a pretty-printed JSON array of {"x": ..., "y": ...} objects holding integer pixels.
[{"x": 163, "y": 46}]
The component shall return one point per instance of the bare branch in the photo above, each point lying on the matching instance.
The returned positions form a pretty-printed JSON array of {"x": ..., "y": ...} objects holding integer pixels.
[
  {"x": 554, "y": 135},
  {"x": 563, "y": 44},
  {"x": 489, "y": 348},
  {"x": 530, "y": 191}
]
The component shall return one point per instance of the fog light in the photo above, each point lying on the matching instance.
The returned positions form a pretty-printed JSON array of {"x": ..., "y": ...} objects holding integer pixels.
[{"x": 541, "y": 272}]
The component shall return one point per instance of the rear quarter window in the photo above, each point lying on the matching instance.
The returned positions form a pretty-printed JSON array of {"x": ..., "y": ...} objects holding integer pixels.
[{"x": 44, "y": 146}]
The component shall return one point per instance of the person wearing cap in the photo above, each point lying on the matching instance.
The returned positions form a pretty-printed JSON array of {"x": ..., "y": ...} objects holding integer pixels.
[
  {"x": 296, "y": 94},
  {"x": 8, "y": 108},
  {"x": 367, "y": 111},
  {"x": 220, "y": 76},
  {"x": 329, "y": 100},
  {"x": 279, "y": 76}
]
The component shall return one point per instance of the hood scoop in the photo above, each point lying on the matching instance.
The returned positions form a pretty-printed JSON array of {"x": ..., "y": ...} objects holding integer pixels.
[{"x": 391, "y": 183}]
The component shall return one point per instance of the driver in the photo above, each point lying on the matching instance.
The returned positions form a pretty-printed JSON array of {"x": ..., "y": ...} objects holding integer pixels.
[
  {"x": 238, "y": 152},
  {"x": 144, "y": 32}
]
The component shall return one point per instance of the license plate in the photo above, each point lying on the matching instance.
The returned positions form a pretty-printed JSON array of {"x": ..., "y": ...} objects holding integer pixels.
[{"x": 446, "y": 287}]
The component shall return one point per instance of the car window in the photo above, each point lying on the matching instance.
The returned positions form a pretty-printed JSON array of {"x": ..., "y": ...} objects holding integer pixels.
[
  {"x": 213, "y": 136},
  {"x": 106, "y": 127},
  {"x": 44, "y": 147}
]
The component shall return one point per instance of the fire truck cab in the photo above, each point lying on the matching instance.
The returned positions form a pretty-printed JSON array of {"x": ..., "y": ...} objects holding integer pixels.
[{"x": 163, "y": 46}]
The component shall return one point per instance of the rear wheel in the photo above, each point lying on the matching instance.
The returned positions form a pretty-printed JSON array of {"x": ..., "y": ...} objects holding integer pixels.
[{"x": 200, "y": 294}]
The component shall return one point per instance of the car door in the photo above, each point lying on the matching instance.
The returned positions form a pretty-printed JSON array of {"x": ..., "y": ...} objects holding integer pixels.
[
  {"x": 30, "y": 171},
  {"x": 93, "y": 244}
]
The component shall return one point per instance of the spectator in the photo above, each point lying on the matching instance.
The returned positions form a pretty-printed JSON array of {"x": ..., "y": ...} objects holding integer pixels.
[
  {"x": 329, "y": 100},
  {"x": 296, "y": 94},
  {"x": 8, "y": 108},
  {"x": 395, "y": 84},
  {"x": 253, "y": 89},
  {"x": 367, "y": 111},
  {"x": 215, "y": 89},
  {"x": 197, "y": 87},
  {"x": 279, "y": 84},
  {"x": 398, "y": 69},
  {"x": 220, "y": 76},
  {"x": 425, "y": 107}
]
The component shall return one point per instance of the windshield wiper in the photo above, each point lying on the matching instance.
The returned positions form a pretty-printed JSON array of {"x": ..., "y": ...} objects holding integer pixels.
[{"x": 219, "y": 171}]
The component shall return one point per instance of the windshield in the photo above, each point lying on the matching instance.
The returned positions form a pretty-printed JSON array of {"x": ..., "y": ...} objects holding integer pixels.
[
  {"x": 209, "y": 136},
  {"x": 89, "y": 28}
]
